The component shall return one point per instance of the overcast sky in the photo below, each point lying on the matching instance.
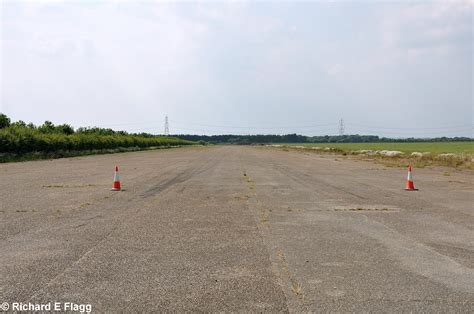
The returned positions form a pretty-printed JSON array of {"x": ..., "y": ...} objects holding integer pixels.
[{"x": 395, "y": 69}]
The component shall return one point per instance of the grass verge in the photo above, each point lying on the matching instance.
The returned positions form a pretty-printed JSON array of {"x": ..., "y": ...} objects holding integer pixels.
[
  {"x": 449, "y": 154},
  {"x": 407, "y": 148},
  {"x": 6, "y": 157}
]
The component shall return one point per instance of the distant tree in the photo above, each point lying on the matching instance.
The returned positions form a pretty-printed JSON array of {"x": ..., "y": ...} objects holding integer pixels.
[
  {"x": 47, "y": 127},
  {"x": 19, "y": 123},
  {"x": 95, "y": 130},
  {"x": 65, "y": 129},
  {"x": 4, "y": 121}
]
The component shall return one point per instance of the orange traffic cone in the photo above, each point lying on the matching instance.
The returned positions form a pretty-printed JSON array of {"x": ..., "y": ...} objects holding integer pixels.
[
  {"x": 410, "y": 185},
  {"x": 116, "y": 185}
]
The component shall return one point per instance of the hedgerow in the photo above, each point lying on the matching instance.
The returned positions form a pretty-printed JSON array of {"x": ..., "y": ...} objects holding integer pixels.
[{"x": 19, "y": 138}]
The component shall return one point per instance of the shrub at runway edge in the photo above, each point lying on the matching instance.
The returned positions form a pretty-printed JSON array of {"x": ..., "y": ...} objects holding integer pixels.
[{"x": 20, "y": 139}]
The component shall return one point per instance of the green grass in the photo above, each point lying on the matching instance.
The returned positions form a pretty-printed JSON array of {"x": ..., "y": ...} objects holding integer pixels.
[{"x": 434, "y": 147}]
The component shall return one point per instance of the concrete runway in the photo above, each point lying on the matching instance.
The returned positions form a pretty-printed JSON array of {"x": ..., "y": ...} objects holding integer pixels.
[{"x": 230, "y": 228}]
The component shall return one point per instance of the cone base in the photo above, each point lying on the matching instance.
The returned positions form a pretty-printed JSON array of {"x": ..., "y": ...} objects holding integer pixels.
[{"x": 411, "y": 189}]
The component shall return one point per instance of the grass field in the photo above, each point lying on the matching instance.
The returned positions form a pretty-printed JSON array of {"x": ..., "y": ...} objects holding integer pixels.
[{"x": 435, "y": 147}]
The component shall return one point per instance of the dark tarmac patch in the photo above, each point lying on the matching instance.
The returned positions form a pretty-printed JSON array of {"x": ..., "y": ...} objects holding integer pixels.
[
  {"x": 367, "y": 208},
  {"x": 60, "y": 186}
]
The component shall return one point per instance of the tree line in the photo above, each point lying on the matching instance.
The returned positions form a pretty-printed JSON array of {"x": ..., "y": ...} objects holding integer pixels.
[{"x": 295, "y": 138}]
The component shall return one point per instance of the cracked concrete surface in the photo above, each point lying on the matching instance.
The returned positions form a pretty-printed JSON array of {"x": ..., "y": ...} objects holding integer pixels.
[{"x": 230, "y": 228}]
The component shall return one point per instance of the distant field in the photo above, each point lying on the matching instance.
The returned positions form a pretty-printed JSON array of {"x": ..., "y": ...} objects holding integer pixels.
[{"x": 435, "y": 147}]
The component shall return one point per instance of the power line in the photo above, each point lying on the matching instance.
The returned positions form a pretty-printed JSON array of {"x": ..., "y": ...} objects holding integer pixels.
[
  {"x": 366, "y": 127},
  {"x": 222, "y": 126},
  {"x": 407, "y": 132},
  {"x": 183, "y": 130},
  {"x": 325, "y": 131},
  {"x": 318, "y": 129},
  {"x": 249, "y": 132},
  {"x": 398, "y": 128},
  {"x": 255, "y": 128}
]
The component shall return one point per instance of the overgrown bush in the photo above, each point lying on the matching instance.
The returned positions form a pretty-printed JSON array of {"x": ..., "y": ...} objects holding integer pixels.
[{"x": 19, "y": 138}]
